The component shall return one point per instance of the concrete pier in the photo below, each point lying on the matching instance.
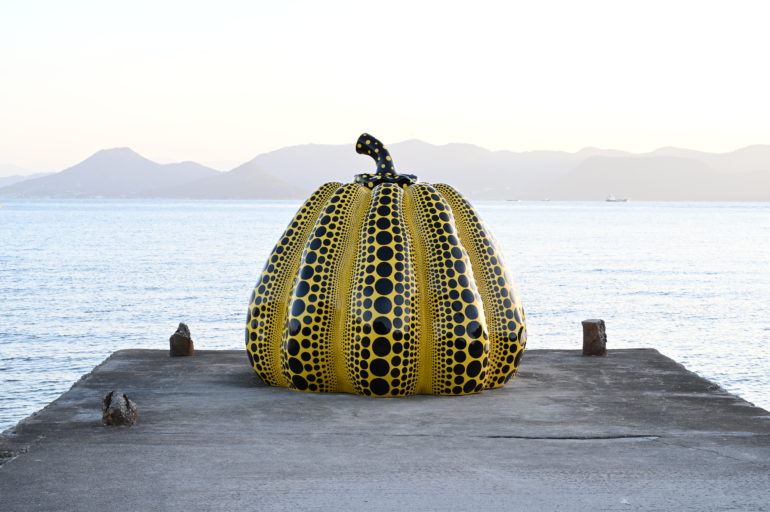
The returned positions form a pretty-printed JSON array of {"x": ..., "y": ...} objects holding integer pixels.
[{"x": 630, "y": 431}]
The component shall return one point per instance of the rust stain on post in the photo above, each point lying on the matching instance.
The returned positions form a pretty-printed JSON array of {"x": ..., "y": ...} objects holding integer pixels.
[{"x": 594, "y": 338}]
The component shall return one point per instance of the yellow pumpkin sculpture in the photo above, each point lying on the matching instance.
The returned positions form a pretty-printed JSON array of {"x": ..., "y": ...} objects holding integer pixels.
[{"x": 385, "y": 287}]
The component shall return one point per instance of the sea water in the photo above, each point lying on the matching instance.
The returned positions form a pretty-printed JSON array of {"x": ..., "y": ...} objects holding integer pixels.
[{"x": 80, "y": 279}]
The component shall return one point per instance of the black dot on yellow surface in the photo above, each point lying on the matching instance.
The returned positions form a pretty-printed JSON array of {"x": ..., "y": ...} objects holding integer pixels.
[
  {"x": 381, "y": 346},
  {"x": 381, "y": 325},
  {"x": 384, "y": 253},
  {"x": 474, "y": 368},
  {"x": 383, "y": 286},
  {"x": 474, "y": 329},
  {"x": 379, "y": 386},
  {"x": 297, "y": 308},
  {"x": 299, "y": 382},
  {"x": 384, "y": 269},
  {"x": 383, "y": 305},
  {"x": 476, "y": 349},
  {"x": 379, "y": 367}
]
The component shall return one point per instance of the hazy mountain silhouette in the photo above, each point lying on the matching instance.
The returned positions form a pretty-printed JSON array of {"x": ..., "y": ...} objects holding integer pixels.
[
  {"x": 18, "y": 178},
  {"x": 118, "y": 172},
  {"x": 589, "y": 174},
  {"x": 8, "y": 170},
  {"x": 670, "y": 174},
  {"x": 663, "y": 178},
  {"x": 293, "y": 172},
  {"x": 480, "y": 173},
  {"x": 247, "y": 181},
  {"x": 748, "y": 159},
  {"x": 476, "y": 171}
]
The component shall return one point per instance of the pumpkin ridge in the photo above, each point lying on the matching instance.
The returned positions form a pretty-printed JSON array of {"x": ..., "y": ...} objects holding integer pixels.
[
  {"x": 267, "y": 307},
  {"x": 306, "y": 359},
  {"x": 501, "y": 302},
  {"x": 460, "y": 340},
  {"x": 420, "y": 305},
  {"x": 379, "y": 350},
  {"x": 340, "y": 336}
]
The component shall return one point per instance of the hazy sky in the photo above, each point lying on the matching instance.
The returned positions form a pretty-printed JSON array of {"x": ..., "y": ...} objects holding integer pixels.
[{"x": 220, "y": 82}]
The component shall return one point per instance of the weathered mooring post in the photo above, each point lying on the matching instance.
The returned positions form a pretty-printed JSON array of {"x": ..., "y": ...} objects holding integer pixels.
[
  {"x": 118, "y": 409},
  {"x": 180, "y": 343},
  {"x": 594, "y": 338}
]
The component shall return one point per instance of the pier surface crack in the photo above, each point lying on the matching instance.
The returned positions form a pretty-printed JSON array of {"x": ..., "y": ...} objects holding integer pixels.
[{"x": 709, "y": 450}]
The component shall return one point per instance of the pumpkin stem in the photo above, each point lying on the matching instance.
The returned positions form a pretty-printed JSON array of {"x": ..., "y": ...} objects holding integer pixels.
[{"x": 368, "y": 145}]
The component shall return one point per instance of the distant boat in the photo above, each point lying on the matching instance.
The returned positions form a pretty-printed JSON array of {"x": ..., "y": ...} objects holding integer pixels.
[{"x": 612, "y": 199}]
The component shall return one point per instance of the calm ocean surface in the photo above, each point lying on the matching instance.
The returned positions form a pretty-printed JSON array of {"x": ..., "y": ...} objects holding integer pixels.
[{"x": 81, "y": 279}]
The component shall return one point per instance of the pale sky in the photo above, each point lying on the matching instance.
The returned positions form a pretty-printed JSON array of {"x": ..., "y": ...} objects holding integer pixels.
[{"x": 220, "y": 82}]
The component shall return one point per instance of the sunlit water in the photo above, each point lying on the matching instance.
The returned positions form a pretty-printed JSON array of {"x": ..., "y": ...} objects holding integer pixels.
[{"x": 81, "y": 279}]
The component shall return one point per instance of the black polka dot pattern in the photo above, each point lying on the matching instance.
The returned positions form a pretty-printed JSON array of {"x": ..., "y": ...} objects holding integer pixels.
[
  {"x": 307, "y": 359},
  {"x": 502, "y": 305},
  {"x": 382, "y": 331},
  {"x": 460, "y": 341},
  {"x": 267, "y": 308}
]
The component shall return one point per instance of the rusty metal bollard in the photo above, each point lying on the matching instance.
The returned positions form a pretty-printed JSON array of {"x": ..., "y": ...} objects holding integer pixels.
[{"x": 594, "y": 338}]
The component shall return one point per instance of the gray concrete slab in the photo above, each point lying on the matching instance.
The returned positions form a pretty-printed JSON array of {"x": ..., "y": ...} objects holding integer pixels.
[{"x": 631, "y": 431}]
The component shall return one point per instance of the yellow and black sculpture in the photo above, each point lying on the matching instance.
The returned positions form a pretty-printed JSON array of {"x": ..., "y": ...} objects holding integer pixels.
[{"x": 386, "y": 287}]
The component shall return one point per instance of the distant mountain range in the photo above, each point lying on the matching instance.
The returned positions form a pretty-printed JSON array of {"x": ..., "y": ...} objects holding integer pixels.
[
  {"x": 16, "y": 178},
  {"x": 118, "y": 172},
  {"x": 667, "y": 174}
]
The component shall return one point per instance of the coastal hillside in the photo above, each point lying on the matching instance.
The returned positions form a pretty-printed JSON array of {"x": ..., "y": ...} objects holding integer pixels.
[
  {"x": 661, "y": 176},
  {"x": 247, "y": 181},
  {"x": 109, "y": 173}
]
